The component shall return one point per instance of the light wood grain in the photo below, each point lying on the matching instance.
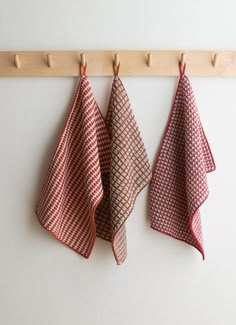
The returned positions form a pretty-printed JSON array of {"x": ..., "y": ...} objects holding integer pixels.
[{"x": 132, "y": 63}]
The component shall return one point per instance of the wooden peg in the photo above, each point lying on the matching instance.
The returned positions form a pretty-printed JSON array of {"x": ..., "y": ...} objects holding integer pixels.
[
  {"x": 149, "y": 59},
  {"x": 82, "y": 59},
  {"x": 183, "y": 59},
  {"x": 215, "y": 60},
  {"x": 49, "y": 60},
  {"x": 116, "y": 59},
  {"x": 17, "y": 61}
]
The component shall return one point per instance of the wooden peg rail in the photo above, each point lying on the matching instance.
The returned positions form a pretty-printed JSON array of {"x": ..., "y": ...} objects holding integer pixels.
[{"x": 132, "y": 63}]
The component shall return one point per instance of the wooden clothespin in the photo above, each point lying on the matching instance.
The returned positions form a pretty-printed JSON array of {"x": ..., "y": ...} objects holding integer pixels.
[
  {"x": 17, "y": 61},
  {"x": 82, "y": 60},
  {"x": 149, "y": 59},
  {"x": 215, "y": 60},
  {"x": 116, "y": 59},
  {"x": 116, "y": 64},
  {"x": 49, "y": 60},
  {"x": 183, "y": 59}
]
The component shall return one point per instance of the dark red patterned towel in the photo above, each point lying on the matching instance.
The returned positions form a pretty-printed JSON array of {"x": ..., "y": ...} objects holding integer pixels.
[
  {"x": 179, "y": 184},
  {"x": 73, "y": 186},
  {"x": 130, "y": 171}
]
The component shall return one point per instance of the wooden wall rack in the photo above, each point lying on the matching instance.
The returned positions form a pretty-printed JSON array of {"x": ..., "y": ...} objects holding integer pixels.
[{"x": 134, "y": 63}]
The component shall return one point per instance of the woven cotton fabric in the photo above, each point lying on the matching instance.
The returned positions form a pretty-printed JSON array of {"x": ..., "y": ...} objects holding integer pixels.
[
  {"x": 97, "y": 171},
  {"x": 130, "y": 171},
  {"x": 73, "y": 187},
  {"x": 179, "y": 184}
]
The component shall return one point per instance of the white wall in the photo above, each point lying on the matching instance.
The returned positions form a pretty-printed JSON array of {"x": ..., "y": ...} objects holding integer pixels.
[{"x": 163, "y": 281}]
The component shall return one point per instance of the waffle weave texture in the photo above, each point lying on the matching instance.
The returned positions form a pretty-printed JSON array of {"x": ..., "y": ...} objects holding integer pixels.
[{"x": 179, "y": 184}]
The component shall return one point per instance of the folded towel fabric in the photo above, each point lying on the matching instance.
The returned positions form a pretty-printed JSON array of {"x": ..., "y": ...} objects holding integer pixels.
[
  {"x": 130, "y": 171},
  {"x": 73, "y": 187},
  {"x": 179, "y": 184}
]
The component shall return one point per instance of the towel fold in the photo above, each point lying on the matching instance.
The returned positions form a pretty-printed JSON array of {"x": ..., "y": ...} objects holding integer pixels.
[
  {"x": 179, "y": 184},
  {"x": 73, "y": 187},
  {"x": 130, "y": 171}
]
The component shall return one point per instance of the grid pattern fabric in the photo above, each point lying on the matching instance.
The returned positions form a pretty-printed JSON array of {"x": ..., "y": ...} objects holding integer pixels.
[
  {"x": 130, "y": 171},
  {"x": 73, "y": 187},
  {"x": 179, "y": 184}
]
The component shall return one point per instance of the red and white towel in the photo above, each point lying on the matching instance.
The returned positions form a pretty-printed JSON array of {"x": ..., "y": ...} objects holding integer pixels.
[
  {"x": 179, "y": 184},
  {"x": 130, "y": 171},
  {"x": 97, "y": 171},
  {"x": 73, "y": 187}
]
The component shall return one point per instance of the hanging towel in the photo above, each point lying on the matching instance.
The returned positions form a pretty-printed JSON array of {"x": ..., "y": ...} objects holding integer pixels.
[
  {"x": 130, "y": 171},
  {"x": 73, "y": 186},
  {"x": 179, "y": 184},
  {"x": 98, "y": 169}
]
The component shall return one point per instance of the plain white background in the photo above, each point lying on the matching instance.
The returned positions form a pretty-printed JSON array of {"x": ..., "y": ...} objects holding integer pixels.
[{"x": 163, "y": 281}]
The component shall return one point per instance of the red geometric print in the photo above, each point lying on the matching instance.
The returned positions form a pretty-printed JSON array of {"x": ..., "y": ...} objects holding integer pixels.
[
  {"x": 179, "y": 184},
  {"x": 130, "y": 171},
  {"x": 73, "y": 186}
]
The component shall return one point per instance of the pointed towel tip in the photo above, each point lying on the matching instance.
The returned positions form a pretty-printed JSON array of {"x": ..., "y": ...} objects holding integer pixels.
[{"x": 181, "y": 240}]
